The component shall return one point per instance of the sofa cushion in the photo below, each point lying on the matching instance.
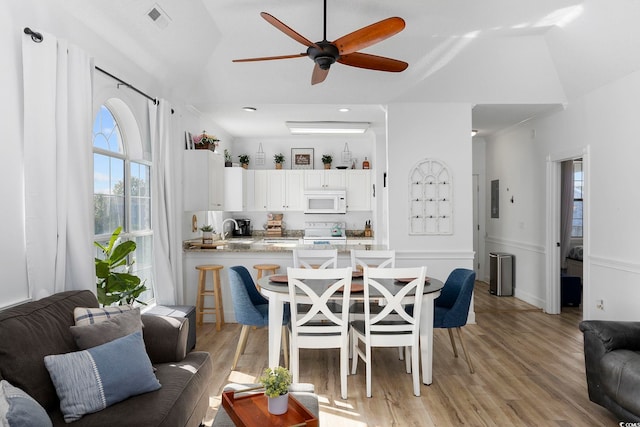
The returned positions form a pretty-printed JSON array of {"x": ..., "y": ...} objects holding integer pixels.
[
  {"x": 31, "y": 331},
  {"x": 18, "y": 409},
  {"x": 90, "y": 315},
  {"x": 91, "y": 380},
  {"x": 620, "y": 374},
  {"x": 95, "y": 334},
  {"x": 182, "y": 401}
]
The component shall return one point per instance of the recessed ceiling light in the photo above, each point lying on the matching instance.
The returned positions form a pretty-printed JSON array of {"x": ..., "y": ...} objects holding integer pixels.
[
  {"x": 344, "y": 110},
  {"x": 249, "y": 109}
]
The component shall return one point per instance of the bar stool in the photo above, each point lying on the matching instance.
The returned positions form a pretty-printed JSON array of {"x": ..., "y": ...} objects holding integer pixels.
[
  {"x": 201, "y": 310},
  {"x": 267, "y": 268}
]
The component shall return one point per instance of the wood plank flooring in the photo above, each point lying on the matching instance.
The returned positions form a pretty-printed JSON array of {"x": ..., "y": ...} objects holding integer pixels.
[{"x": 529, "y": 372}]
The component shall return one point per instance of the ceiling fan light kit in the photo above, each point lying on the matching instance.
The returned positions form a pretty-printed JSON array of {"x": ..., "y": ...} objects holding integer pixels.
[{"x": 343, "y": 50}]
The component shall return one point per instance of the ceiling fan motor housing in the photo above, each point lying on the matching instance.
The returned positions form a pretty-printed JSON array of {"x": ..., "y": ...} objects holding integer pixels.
[{"x": 325, "y": 56}]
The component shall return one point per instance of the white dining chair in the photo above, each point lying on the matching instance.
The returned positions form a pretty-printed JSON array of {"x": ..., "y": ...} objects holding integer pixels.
[
  {"x": 393, "y": 326},
  {"x": 315, "y": 258},
  {"x": 318, "y": 326},
  {"x": 376, "y": 258}
]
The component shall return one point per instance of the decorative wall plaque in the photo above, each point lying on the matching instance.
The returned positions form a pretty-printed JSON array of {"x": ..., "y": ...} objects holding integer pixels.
[{"x": 430, "y": 198}]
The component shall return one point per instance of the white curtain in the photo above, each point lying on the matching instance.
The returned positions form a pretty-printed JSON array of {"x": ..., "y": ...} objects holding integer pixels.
[
  {"x": 58, "y": 166},
  {"x": 167, "y": 251},
  {"x": 566, "y": 208}
]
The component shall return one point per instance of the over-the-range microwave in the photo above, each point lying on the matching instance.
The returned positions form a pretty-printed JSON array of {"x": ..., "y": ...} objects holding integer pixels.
[{"x": 325, "y": 201}]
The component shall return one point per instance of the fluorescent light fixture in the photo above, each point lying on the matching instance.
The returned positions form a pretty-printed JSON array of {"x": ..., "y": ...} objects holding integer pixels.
[{"x": 301, "y": 128}]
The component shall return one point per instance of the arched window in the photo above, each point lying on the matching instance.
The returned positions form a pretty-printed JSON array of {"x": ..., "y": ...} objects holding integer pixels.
[{"x": 122, "y": 186}]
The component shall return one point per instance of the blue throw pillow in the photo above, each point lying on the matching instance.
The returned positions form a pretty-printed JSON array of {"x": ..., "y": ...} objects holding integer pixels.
[
  {"x": 90, "y": 380},
  {"x": 18, "y": 409}
]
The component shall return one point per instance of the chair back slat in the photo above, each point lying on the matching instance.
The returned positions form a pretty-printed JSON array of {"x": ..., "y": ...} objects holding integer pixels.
[
  {"x": 394, "y": 316},
  {"x": 315, "y": 258},
  {"x": 363, "y": 258}
]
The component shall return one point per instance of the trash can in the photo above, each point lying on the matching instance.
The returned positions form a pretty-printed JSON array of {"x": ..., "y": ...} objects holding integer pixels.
[{"x": 501, "y": 274}]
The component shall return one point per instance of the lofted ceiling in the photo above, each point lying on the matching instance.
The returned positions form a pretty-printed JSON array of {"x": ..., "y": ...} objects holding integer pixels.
[{"x": 510, "y": 60}]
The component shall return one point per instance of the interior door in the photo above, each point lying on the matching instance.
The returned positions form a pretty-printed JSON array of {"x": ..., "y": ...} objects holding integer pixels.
[{"x": 476, "y": 225}]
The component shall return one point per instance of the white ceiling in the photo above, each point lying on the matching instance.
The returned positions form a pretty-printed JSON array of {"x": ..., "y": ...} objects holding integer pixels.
[{"x": 509, "y": 59}]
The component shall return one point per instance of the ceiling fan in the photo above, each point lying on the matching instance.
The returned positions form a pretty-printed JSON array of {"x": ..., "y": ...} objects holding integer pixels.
[{"x": 343, "y": 50}]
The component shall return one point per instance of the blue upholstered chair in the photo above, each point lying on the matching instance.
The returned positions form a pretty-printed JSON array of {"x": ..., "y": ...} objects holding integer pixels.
[
  {"x": 451, "y": 308},
  {"x": 251, "y": 309}
]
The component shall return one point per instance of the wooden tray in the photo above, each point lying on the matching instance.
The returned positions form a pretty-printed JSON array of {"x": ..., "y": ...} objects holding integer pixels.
[
  {"x": 251, "y": 411},
  {"x": 207, "y": 245}
]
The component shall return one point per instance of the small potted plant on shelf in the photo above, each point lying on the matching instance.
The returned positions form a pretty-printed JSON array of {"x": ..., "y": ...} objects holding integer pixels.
[
  {"x": 279, "y": 160},
  {"x": 276, "y": 384},
  {"x": 205, "y": 142},
  {"x": 327, "y": 159},
  {"x": 227, "y": 159},
  {"x": 244, "y": 160},
  {"x": 207, "y": 234}
]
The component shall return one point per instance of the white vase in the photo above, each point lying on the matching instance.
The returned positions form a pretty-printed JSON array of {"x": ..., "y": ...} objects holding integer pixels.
[{"x": 278, "y": 405}]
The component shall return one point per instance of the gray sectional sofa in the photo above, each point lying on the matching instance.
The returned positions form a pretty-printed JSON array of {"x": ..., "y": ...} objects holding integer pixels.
[
  {"x": 33, "y": 330},
  {"x": 612, "y": 363}
]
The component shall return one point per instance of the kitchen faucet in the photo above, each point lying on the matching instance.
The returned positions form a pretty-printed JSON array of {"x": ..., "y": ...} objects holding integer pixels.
[{"x": 228, "y": 220}]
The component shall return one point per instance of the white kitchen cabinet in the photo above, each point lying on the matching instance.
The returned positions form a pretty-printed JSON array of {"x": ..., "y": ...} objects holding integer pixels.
[
  {"x": 359, "y": 190},
  {"x": 284, "y": 190},
  {"x": 235, "y": 189},
  {"x": 260, "y": 190},
  {"x": 203, "y": 181},
  {"x": 324, "y": 179}
]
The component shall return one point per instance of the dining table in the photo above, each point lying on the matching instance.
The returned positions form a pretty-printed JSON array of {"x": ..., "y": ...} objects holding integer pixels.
[{"x": 275, "y": 288}]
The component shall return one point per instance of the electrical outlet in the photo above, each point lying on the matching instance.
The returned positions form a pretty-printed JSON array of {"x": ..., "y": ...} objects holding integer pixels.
[{"x": 600, "y": 304}]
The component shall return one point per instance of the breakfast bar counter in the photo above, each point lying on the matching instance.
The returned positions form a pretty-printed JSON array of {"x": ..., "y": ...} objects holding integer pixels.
[{"x": 249, "y": 252}]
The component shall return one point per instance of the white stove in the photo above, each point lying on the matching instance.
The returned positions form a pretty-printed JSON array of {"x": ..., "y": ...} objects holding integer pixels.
[{"x": 327, "y": 233}]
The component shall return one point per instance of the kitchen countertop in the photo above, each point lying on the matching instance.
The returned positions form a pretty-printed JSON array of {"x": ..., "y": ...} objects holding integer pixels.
[{"x": 283, "y": 244}]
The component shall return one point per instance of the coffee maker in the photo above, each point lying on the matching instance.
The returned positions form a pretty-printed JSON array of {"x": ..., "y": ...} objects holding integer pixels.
[{"x": 244, "y": 228}]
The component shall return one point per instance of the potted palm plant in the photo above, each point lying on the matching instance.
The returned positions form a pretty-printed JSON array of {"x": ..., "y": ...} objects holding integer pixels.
[
  {"x": 113, "y": 281},
  {"x": 244, "y": 160},
  {"x": 276, "y": 384},
  {"x": 327, "y": 159},
  {"x": 278, "y": 160}
]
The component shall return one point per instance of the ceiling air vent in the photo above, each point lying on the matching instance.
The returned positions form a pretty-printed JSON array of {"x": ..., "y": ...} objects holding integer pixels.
[{"x": 159, "y": 16}]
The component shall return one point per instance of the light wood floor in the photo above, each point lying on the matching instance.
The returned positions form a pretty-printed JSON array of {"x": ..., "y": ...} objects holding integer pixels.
[{"x": 529, "y": 372}]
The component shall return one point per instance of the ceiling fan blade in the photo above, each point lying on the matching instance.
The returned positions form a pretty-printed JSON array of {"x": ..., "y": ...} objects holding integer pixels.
[
  {"x": 287, "y": 30},
  {"x": 369, "y": 35},
  {"x": 373, "y": 62},
  {"x": 318, "y": 75},
  {"x": 269, "y": 58}
]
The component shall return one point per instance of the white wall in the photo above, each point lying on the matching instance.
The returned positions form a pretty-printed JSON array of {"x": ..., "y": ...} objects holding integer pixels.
[
  {"x": 436, "y": 131},
  {"x": 605, "y": 121}
]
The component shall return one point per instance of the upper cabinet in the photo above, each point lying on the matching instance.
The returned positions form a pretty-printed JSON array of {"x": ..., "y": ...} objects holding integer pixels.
[
  {"x": 235, "y": 189},
  {"x": 203, "y": 181},
  {"x": 278, "y": 190},
  {"x": 359, "y": 190},
  {"x": 324, "y": 179}
]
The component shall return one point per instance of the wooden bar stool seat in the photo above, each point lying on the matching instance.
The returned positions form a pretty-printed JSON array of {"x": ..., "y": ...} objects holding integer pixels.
[
  {"x": 266, "y": 268},
  {"x": 201, "y": 310}
]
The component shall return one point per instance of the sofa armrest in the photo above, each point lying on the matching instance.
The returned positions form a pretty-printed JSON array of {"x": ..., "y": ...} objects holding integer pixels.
[
  {"x": 613, "y": 335},
  {"x": 165, "y": 338},
  {"x": 601, "y": 337}
]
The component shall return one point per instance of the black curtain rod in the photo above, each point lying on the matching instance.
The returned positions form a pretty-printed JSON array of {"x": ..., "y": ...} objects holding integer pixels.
[{"x": 37, "y": 37}]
